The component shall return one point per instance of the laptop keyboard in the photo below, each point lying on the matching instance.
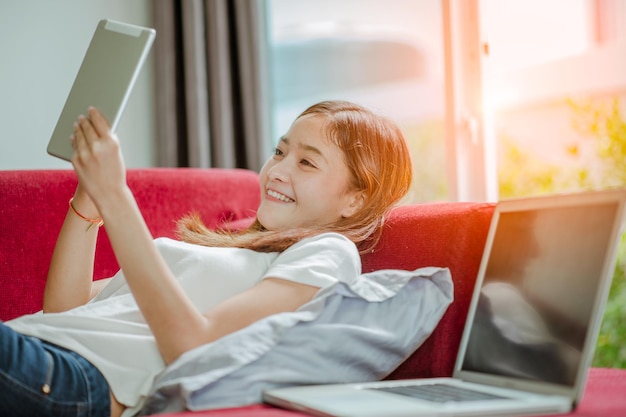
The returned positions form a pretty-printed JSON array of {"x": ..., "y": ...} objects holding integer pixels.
[{"x": 441, "y": 393}]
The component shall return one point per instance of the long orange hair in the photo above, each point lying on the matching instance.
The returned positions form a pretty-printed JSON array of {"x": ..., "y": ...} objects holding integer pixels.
[{"x": 379, "y": 162}]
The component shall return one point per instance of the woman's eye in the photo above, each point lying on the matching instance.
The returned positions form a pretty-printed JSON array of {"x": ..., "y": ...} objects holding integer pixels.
[
  {"x": 278, "y": 152},
  {"x": 307, "y": 163}
]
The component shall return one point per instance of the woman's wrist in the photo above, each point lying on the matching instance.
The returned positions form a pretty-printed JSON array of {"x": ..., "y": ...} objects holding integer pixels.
[
  {"x": 93, "y": 221},
  {"x": 84, "y": 204},
  {"x": 83, "y": 208}
]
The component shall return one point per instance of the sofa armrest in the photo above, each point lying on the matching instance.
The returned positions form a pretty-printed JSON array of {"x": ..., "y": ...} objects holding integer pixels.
[{"x": 34, "y": 204}]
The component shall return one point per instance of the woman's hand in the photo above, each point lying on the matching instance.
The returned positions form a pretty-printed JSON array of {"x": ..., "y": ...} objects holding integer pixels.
[{"x": 97, "y": 157}]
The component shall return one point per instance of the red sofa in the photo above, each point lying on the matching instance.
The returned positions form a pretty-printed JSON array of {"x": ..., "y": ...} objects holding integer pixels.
[{"x": 34, "y": 203}]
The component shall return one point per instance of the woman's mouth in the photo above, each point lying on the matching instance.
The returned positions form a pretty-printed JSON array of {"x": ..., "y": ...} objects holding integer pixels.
[{"x": 279, "y": 196}]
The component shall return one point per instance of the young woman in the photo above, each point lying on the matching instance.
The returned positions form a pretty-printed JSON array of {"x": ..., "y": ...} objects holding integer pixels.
[{"x": 98, "y": 344}]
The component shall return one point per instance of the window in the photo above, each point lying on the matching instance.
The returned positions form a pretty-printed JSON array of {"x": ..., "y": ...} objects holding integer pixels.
[{"x": 548, "y": 86}]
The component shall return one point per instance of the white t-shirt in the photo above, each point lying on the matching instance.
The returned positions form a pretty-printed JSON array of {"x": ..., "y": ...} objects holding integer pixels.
[{"x": 111, "y": 333}]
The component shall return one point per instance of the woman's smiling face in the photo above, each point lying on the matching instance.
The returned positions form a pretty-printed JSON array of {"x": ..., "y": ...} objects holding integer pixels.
[{"x": 306, "y": 182}]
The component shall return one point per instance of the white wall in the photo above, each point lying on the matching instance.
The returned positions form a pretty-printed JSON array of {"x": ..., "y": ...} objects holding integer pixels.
[{"x": 42, "y": 44}]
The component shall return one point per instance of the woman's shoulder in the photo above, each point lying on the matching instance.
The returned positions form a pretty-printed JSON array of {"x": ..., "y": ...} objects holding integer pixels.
[{"x": 320, "y": 260}]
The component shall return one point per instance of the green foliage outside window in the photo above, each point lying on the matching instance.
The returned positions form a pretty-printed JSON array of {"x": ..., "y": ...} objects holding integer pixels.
[{"x": 521, "y": 173}]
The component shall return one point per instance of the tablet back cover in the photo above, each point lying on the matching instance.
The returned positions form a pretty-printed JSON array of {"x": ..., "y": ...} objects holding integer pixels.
[{"x": 105, "y": 79}]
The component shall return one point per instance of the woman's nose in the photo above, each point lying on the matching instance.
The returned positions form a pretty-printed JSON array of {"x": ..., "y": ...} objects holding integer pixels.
[{"x": 279, "y": 171}]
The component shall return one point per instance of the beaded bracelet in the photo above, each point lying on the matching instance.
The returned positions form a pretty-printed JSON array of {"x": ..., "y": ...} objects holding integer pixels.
[{"x": 92, "y": 222}]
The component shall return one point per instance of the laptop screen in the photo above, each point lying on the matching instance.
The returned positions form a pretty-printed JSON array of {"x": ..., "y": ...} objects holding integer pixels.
[{"x": 537, "y": 295}]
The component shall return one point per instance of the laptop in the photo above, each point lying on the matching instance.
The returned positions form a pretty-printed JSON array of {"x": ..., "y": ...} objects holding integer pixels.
[
  {"x": 105, "y": 79},
  {"x": 532, "y": 324}
]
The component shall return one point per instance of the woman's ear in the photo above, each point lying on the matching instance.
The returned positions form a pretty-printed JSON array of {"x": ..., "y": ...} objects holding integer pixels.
[{"x": 356, "y": 200}]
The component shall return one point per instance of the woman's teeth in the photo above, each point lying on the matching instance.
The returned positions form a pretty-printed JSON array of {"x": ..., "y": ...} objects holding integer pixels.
[{"x": 279, "y": 196}]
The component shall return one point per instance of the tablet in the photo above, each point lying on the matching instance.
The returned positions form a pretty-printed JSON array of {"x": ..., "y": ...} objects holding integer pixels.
[{"x": 105, "y": 79}]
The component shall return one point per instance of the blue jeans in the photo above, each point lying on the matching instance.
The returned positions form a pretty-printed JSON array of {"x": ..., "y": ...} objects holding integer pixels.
[{"x": 40, "y": 379}]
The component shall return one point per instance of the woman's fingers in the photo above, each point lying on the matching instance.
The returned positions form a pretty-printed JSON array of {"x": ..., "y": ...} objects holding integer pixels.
[
  {"x": 89, "y": 130},
  {"x": 95, "y": 145},
  {"x": 100, "y": 124},
  {"x": 89, "y": 133},
  {"x": 78, "y": 139}
]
